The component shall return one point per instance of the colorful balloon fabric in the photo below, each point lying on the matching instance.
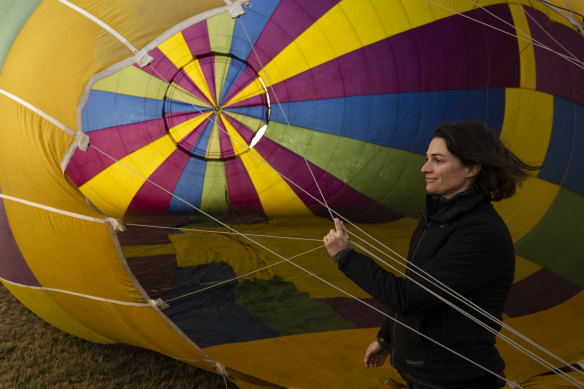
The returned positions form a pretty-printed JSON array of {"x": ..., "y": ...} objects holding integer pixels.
[{"x": 167, "y": 171}]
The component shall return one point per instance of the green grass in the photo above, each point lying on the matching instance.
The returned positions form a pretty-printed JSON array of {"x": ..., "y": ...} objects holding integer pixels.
[{"x": 33, "y": 354}]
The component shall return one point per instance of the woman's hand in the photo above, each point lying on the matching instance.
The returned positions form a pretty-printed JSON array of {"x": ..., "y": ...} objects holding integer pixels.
[
  {"x": 375, "y": 355},
  {"x": 337, "y": 239}
]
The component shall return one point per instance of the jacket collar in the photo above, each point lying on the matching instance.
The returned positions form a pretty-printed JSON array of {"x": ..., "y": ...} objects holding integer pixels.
[{"x": 442, "y": 210}]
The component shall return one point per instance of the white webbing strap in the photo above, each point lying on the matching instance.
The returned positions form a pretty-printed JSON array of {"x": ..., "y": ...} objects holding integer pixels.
[{"x": 56, "y": 210}]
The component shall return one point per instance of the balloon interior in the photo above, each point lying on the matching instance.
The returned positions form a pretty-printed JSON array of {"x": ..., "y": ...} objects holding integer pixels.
[{"x": 168, "y": 171}]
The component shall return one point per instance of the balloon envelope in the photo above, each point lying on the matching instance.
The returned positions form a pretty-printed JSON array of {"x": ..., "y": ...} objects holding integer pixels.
[{"x": 221, "y": 263}]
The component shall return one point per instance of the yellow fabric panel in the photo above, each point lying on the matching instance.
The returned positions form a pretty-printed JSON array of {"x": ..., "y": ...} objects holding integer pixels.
[
  {"x": 138, "y": 326},
  {"x": 148, "y": 250},
  {"x": 300, "y": 361},
  {"x": 41, "y": 303},
  {"x": 134, "y": 82},
  {"x": 194, "y": 71},
  {"x": 141, "y": 21},
  {"x": 328, "y": 37},
  {"x": 524, "y": 268},
  {"x": 63, "y": 252},
  {"x": 275, "y": 194},
  {"x": 113, "y": 189},
  {"x": 253, "y": 89},
  {"x": 176, "y": 50},
  {"x": 527, "y": 54},
  {"x": 526, "y": 131},
  {"x": 542, "y": 327}
]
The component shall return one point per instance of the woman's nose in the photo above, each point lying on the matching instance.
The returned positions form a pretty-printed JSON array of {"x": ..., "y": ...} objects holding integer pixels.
[{"x": 427, "y": 167}]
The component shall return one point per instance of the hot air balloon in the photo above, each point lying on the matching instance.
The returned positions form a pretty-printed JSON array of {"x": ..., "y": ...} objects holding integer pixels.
[{"x": 167, "y": 171}]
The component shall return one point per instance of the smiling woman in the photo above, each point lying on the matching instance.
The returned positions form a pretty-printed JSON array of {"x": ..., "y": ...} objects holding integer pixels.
[{"x": 461, "y": 246}]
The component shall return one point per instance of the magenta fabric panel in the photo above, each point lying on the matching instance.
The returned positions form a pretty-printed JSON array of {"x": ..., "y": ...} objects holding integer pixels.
[
  {"x": 555, "y": 74},
  {"x": 162, "y": 67},
  {"x": 242, "y": 194},
  {"x": 13, "y": 267},
  {"x": 540, "y": 291},
  {"x": 288, "y": 21},
  {"x": 152, "y": 198},
  {"x": 185, "y": 82},
  {"x": 197, "y": 38},
  {"x": 421, "y": 59},
  {"x": 208, "y": 68},
  {"x": 129, "y": 138},
  {"x": 337, "y": 194}
]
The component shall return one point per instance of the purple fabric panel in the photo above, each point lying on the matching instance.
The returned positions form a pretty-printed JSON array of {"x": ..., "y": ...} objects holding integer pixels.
[
  {"x": 453, "y": 53},
  {"x": 150, "y": 197},
  {"x": 184, "y": 81},
  {"x": 162, "y": 68},
  {"x": 540, "y": 291},
  {"x": 252, "y": 101},
  {"x": 339, "y": 196},
  {"x": 208, "y": 68},
  {"x": 197, "y": 38},
  {"x": 189, "y": 142},
  {"x": 245, "y": 78},
  {"x": 227, "y": 150},
  {"x": 13, "y": 266},
  {"x": 243, "y": 198},
  {"x": 115, "y": 141},
  {"x": 290, "y": 19},
  {"x": 554, "y": 74},
  {"x": 360, "y": 315},
  {"x": 245, "y": 132}
]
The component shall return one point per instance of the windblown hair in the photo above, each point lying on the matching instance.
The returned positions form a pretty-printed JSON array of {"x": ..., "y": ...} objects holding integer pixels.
[{"x": 473, "y": 142}]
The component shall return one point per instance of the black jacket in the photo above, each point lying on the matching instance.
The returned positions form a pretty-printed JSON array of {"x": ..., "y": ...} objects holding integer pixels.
[{"x": 463, "y": 243}]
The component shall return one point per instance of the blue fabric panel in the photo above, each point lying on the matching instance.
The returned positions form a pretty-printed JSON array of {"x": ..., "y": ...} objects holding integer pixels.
[
  {"x": 233, "y": 73},
  {"x": 107, "y": 109},
  {"x": 404, "y": 121},
  {"x": 189, "y": 187},
  {"x": 200, "y": 147},
  {"x": 563, "y": 164},
  {"x": 258, "y": 112},
  {"x": 174, "y": 106},
  {"x": 251, "y": 24},
  {"x": 212, "y": 317}
]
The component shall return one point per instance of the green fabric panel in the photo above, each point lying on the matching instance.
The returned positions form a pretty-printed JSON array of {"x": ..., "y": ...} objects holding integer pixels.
[
  {"x": 13, "y": 16},
  {"x": 132, "y": 81},
  {"x": 286, "y": 309},
  {"x": 248, "y": 121},
  {"x": 214, "y": 197},
  {"x": 220, "y": 29},
  {"x": 557, "y": 241},
  {"x": 389, "y": 176}
]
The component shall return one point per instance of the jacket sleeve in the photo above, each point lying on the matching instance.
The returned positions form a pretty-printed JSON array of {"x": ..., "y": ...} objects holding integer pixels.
[{"x": 471, "y": 258}]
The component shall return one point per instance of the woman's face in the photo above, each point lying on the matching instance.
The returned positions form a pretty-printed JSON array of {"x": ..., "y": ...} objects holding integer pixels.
[{"x": 445, "y": 174}]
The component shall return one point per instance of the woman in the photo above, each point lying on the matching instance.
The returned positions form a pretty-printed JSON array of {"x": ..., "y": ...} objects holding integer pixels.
[{"x": 460, "y": 241}]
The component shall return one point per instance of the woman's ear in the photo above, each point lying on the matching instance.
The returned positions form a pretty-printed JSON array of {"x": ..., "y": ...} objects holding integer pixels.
[{"x": 473, "y": 170}]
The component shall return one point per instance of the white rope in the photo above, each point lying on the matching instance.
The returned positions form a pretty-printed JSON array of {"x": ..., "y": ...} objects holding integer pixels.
[
  {"x": 102, "y": 24},
  {"x": 330, "y": 211},
  {"x": 286, "y": 119},
  {"x": 223, "y": 232}
]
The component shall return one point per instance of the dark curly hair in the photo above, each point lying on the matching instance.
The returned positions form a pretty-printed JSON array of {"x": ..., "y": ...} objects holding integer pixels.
[{"x": 473, "y": 142}]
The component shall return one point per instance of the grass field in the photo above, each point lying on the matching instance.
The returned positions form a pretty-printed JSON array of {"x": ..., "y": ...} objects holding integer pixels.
[{"x": 33, "y": 354}]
